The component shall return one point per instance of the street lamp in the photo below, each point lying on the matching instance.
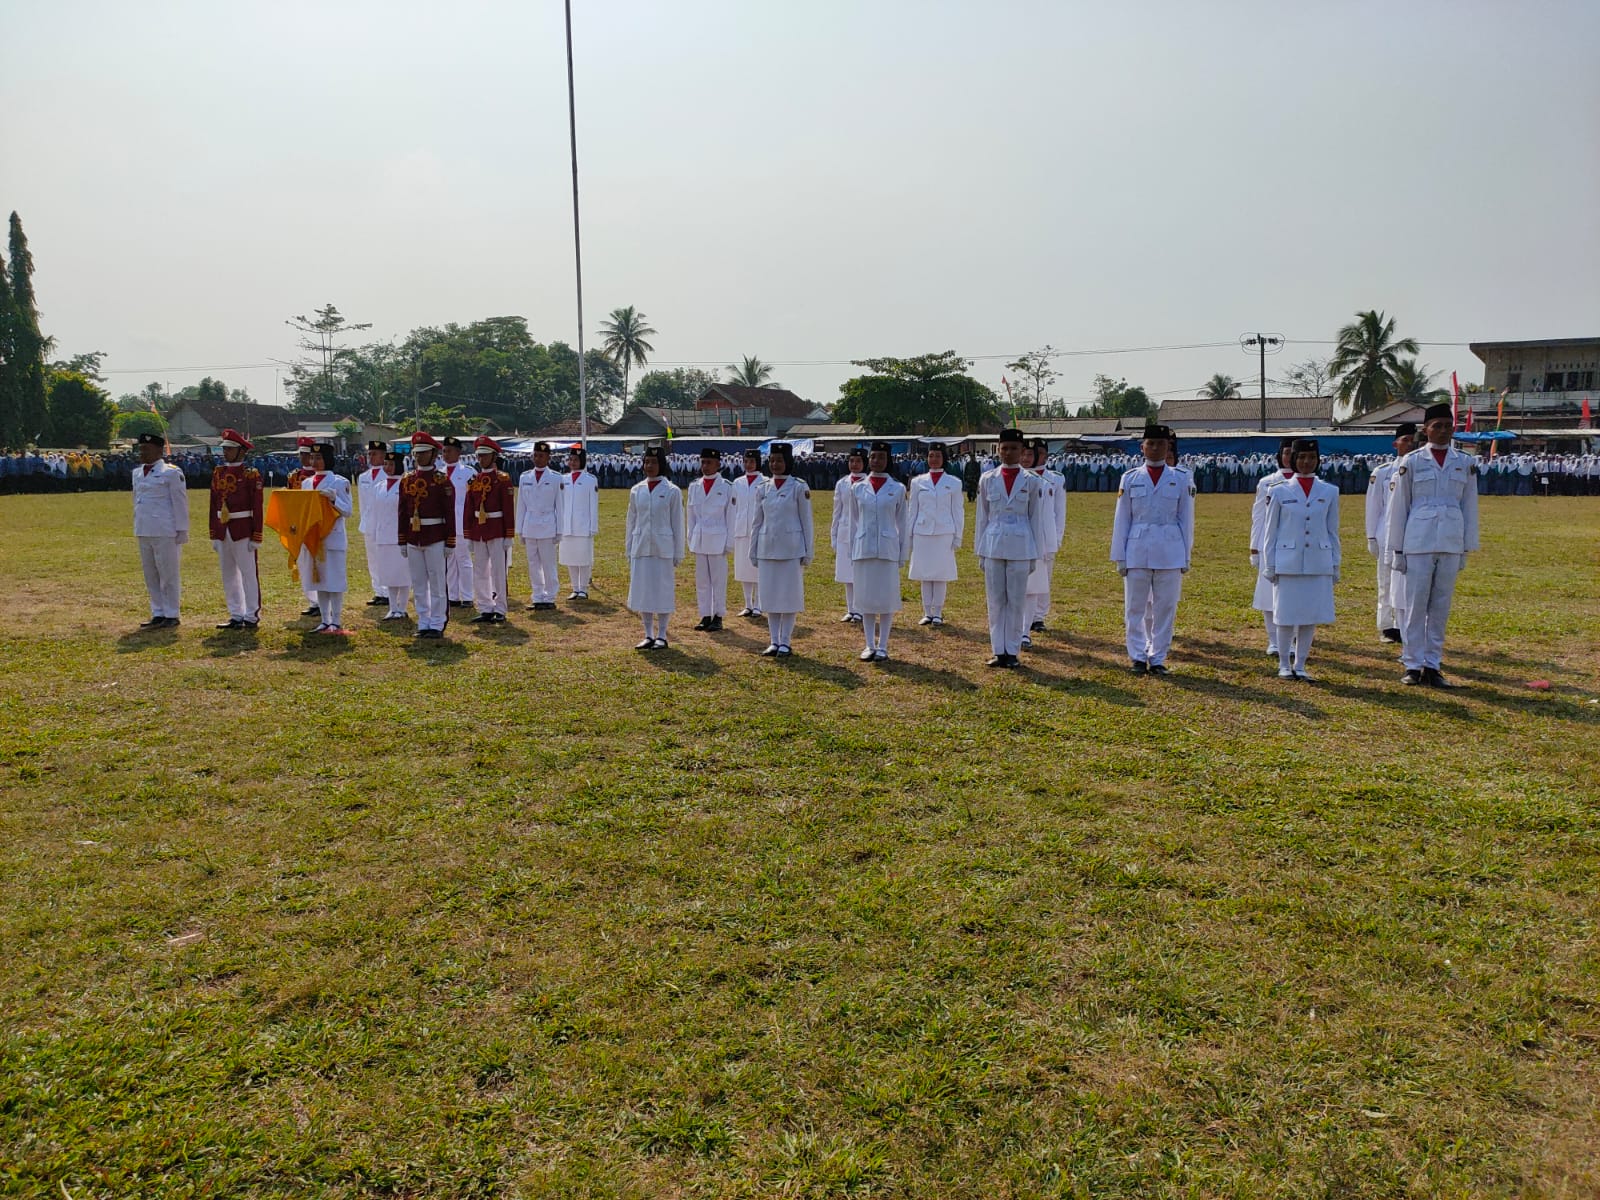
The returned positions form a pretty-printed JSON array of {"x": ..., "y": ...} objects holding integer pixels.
[{"x": 429, "y": 388}]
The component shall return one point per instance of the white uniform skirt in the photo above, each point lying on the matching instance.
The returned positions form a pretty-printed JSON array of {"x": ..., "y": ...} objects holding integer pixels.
[
  {"x": 388, "y": 568},
  {"x": 743, "y": 571},
  {"x": 1263, "y": 596},
  {"x": 575, "y": 551},
  {"x": 330, "y": 575},
  {"x": 652, "y": 585},
  {"x": 783, "y": 585},
  {"x": 933, "y": 557},
  {"x": 877, "y": 585},
  {"x": 1303, "y": 600},
  {"x": 1044, "y": 569},
  {"x": 844, "y": 567}
]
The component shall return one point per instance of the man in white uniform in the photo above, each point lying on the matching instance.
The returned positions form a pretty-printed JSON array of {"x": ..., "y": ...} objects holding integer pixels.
[
  {"x": 1152, "y": 537},
  {"x": 1378, "y": 488},
  {"x": 1055, "y": 515},
  {"x": 161, "y": 524},
  {"x": 458, "y": 559},
  {"x": 1008, "y": 534},
  {"x": 1433, "y": 526},
  {"x": 369, "y": 478},
  {"x": 539, "y": 526},
  {"x": 709, "y": 501}
]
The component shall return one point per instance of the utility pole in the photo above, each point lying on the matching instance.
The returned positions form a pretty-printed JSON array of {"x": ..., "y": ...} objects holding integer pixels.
[
  {"x": 577, "y": 240},
  {"x": 417, "y": 415},
  {"x": 1262, "y": 342}
]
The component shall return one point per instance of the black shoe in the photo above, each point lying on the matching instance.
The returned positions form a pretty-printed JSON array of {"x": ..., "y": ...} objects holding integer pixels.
[
  {"x": 1012, "y": 662},
  {"x": 1411, "y": 678},
  {"x": 314, "y": 611},
  {"x": 999, "y": 660},
  {"x": 1432, "y": 677},
  {"x": 1140, "y": 667},
  {"x": 647, "y": 644},
  {"x": 847, "y": 619},
  {"x": 169, "y": 622},
  {"x": 235, "y": 623},
  {"x": 394, "y": 616},
  {"x": 249, "y": 626},
  {"x": 704, "y": 624},
  {"x": 499, "y": 618},
  {"x": 715, "y": 626},
  {"x": 926, "y": 620},
  {"x": 784, "y": 652},
  {"x": 534, "y": 607},
  {"x": 747, "y": 612},
  {"x": 1036, "y": 627},
  {"x": 377, "y": 600},
  {"x": 153, "y": 623},
  {"x": 770, "y": 652},
  {"x": 434, "y": 634},
  {"x": 1159, "y": 669},
  {"x": 482, "y": 619},
  {"x": 661, "y": 644},
  {"x": 1391, "y": 636}
]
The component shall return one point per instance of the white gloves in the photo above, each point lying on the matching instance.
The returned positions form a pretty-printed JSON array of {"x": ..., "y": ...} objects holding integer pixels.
[
  {"x": 405, "y": 551},
  {"x": 216, "y": 545},
  {"x": 1372, "y": 547},
  {"x": 1399, "y": 563},
  {"x": 1122, "y": 569},
  {"x": 1255, "y": 558},
  {"x": 183, "y": 538},
  {"x": 1270, "y": 576}
]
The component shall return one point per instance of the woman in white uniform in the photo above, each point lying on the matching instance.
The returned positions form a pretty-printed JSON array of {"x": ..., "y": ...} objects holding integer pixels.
[
  {"x": 330, "y": 572},
  {"x": 745, "y": 488},
  {"x": 1300, "y": 557},
  {"x": 580, "y": 522},
  {"x": 938, "y": 519},
  {"x": 1262, "y": 600},
  {"x": 388, "y": 566},
  {"x": 781, "y": 548},
  {"x": 880, "y": 541},
  {"x": 653, "y": 538},
  {"x": 839, "y": 533}
]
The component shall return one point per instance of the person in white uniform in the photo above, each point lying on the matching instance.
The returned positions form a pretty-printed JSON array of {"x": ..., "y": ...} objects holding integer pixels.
[
  {"x": 458, "y": 559},
  {"x": 1152, "y": 537},
  {"x": 1390, "y": 586},
  {"x": 427, "y": 533},
  {"x": 539, "y": 497},
  {"x": 1172, "y": 465},
  {"x": 491, "y": 530},
  {"x": 381, "y": 519},
  {"x": 371, "y": 474},
  {"x": 782, "y": 542},
  {"x": 1301, "y": 557},
  {"x": 305, "y": 447},
  {"x": 580, "y": 521},
  {"x": 1007, "y": 535},
  {"x": 745, "y": 491},
  {"x": 938, "y": 518},
  {"x": 1262, "y": 598},
  {"x": 840, "y": 533},
  {"x": 709, "y": 500},
  {"x": 880, "y": 540},
  {"x": 1035, "y": 458},
  {"x": 1433, "y": 526},
  {"x": 653, "y": 539},
  {"x": 329, "y": 574},
  {"x": 161, "y": 526}
]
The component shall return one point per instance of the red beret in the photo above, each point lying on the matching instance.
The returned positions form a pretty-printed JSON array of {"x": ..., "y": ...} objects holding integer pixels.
[
  {"x": 236, "y": 438},
  {"x": 485, "y": 442},
  {"x": 421, "y": 438}
]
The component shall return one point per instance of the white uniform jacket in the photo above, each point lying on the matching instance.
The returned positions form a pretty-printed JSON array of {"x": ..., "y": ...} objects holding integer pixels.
[
  {"x": 459, "y": 475},
  {"x": 781, "y": 528},
  {"x": 654, "y": 527},
  {"x": 1434, "y": 509},
  {"x": 160, "y": 501},
  {"x": 744, "y": 503},
  {"x": 1258, "y": 509},
  {"x": 1378, "y": 501},
  {"x": 1055, "y": 508},
  {"x": 369, "y": 478},
  {"x": 380, "y": 510},
  {"x": 878, "y": 524},
  {"x": 1010, "y": 526},
  {"x": 937, "y": 508},
  {"x": 580, "y": 505},
  {"x": 839, "y": 529},
  {"x": 710, "y": 516},
  {"x": 1301, "y": 536},
  {"x": 337, "y": 489},
  {"x": 539, "y": 496},
  {"x": 1154, "y": 522}
]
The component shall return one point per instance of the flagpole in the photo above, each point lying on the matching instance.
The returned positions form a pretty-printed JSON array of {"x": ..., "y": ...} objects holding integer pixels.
[{"x": 577, "y": 240}]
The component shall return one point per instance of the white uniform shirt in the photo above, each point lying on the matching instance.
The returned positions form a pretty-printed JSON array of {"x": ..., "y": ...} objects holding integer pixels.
[
  {"x": 654, "y": 527},
  {"x": 781, "y": 528},
  {"x": 380, "y": 510},
  {"x": 580, "y": 505},
  {"x": 1301, "y": 536},
  {"x": 878, "y": 524},
  {"x": 1377, "y": 508},
  {"x": 460, "y": 475},
  {"x": 1434, "y": 509},
  {"x": 539, "y": 496},
  {"x": 745, "y": 488},
  {"x": 1258, "y": 508},
  {"x": 1010, "y": 526},
  {"x": 937, "y": 508},
  {"x": 1154, "y": 522},
  {"x": 337, "y": 489},
  {"x": 710, "y": 514},
  {"x": 370, "y": 478},
  {"x": 839, "y": 529},
  {"x": 160, "y": 501}
]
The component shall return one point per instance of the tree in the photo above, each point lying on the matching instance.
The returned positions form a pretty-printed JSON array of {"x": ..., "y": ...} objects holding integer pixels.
[
  {"x": 751, "y": 372},
  {"x": 931, "y": 393},
  {"x": 322, "y": 334},
  {"x": 131, "y": 423},
  {"x": 1366, "y": 359},
  {"x": 1114, "y": 398},
  {"x": 212, "y": 391},
  {"x": 1414, "y": 382},
  {"x": 625, "y": 335},
  {"x": 1310, "y": 378},
  {"x": 81, "y": 413},
  {"x": 445, "y": 422},
  {"x": 87, "y": 365},
  {"x": 680, "y": 387},
  {"x": 10, "y": 383},
  {"x": 1220, "y": 387},
  {"x": 26, "y": 348},
  {"x": 1034, "y": 377}
]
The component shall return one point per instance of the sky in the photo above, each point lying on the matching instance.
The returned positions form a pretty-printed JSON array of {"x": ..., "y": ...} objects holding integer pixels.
[{"x": 808, "y": 182}]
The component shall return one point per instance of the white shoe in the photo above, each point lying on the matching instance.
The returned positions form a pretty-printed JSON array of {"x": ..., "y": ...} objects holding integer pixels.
[
  {"x": 865, "y": 655},
  {"x": 926, "y": 620},
  {"x": 1285, "y": 672},
  {"x": 1303, "y": 677}
]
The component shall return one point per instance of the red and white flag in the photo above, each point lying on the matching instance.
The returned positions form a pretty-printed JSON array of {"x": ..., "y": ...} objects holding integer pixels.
[
  {"x": 1455, "y": 402},
  {"x": 1587, "y": 418}
]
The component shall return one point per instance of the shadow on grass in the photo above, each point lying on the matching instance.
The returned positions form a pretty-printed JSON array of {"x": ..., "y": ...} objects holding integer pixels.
[
  {"x": 504, "y": 635},
  {"x": 680, "y": 663},
  {"x": 813, "y": 668},
  {"x": 1391, "y": 693},
  {"x": 139, "y": 640},
  {"x": 317, "y": 647},
  {"x": 1078, "y": 685},
  {"x": 228, "y": 644},
  {"x": 933, "y": 676},
  {"x": 444, "y": 652},
  {"x": 591, "y": 607},
  {"x": 1225, "y": 689}
]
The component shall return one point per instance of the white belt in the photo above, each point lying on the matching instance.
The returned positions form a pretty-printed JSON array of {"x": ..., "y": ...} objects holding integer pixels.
[
  {"x": 431, "y": 521},
  {"x": 234, "y": 516},
  {"x": 487, "y": 515}
]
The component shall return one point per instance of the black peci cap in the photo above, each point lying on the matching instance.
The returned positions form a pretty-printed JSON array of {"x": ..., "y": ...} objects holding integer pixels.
[
  {"x": 1406, "y": 429},
  {"x": 1152, "y": 432},
  {"x": 150, "y": 439},
  {"x": 1437, "y": 412}
]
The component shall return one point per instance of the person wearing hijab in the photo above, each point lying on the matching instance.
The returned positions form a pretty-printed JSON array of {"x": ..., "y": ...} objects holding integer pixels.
[
  {"x": 1300, "y": 557},
  {"x": 781, "y": 547}
]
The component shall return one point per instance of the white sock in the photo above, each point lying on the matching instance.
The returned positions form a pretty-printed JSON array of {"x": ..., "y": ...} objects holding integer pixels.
[
  {"x": 1283, "y": 635},
  {"x": 661, "y": 625},
  {"x": 398, "y": 596},
  {"x": 884, "y": 622},
  {"x": 775, "y": 629},
  {"x": 849, "y": 597},
  {"x": 1302, "y": 645},
  {"x": 644, "y": 619}
]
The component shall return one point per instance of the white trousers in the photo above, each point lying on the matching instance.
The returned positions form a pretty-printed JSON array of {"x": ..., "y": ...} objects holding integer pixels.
[
  {"x": 711, "y": 584},
  {"x": 331, "y": 605},
  {"x": 399, "y": 597},
  {"x": 542, "y": 574},
  {"x": 1430, "y": 584},
  {"x": 241, "y": 580},
  {"x": 161, "y": 558},
  {"x": 1387, "y": 617},
  {"x": 1005, "y": 587},
  {"x": 458, "y": 571},
  {"x": 427, "y": 565},
  {"x": 579, "y": 576},
  {"x": 933, "y": 591},
  {"x": 372, "y": 569},
  {"x": 1150, "y": 610},
  {"x": 489, "y": 575}
]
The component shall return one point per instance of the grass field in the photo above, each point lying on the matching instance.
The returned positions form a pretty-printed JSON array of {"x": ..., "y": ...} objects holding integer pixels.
[{"x": 526, "y": 913}]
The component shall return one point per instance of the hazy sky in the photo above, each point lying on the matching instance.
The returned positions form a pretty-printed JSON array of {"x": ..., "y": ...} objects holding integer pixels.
[{"x": 807, "y": 181}]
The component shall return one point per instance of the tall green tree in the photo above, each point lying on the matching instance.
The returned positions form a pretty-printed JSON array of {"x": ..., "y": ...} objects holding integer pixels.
[
  {"x": 680, "y": 387},
  {"x": 81, "y": 413},
  {"x": 1366, "y": 361},
  {"x": 1031, "y": 377},
  {"x": 27, "y": 346},
  {"x": 930, "y": 393},
  {"x": 1116, "y": 398},
  {"x": 750, "y": 372},
  {"x": 10, "y": 383},
  {"x": 1220, "y": 387},
  {"x": 625, "y": 333},
  {"x": 1414, "y": 382},
  {"x": 130, "y": 423}
]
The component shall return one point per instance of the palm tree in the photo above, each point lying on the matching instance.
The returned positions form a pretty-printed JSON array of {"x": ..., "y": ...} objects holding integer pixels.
[
  {"x": 625, "y": 341},
  {"x": 752, "y": 372},
  {"x": 1220, "y": 387},
  {"x": 1366, "y": 361},
  {"x": 1414, "y": 382}
]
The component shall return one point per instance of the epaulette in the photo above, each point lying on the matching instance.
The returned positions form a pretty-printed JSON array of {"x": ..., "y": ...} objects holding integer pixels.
[{"x": 1400, "y": 470}]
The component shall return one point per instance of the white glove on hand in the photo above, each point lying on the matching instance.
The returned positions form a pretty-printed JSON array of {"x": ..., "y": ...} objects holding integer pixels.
[
  {"x": 1271, "y": 576},
  {"x": 1372, "y": 547},
  {"x": 405, "y": 551},
  {"x": 216, "y": 545},
  {"x": 1122, "y": 569},
  {"x": 1183, "y": 570},
  {"x": 1399, "y": 563},
  {"x": 183, "y": 539},
  {"x": 1255, "y": 558}
]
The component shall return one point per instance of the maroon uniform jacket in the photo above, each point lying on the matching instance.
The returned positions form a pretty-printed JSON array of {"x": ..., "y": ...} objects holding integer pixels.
[
  {"x": 427, "y": 509},
  {"x": 237, "y": 505},
  {"x": 489, "y": 514}
]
